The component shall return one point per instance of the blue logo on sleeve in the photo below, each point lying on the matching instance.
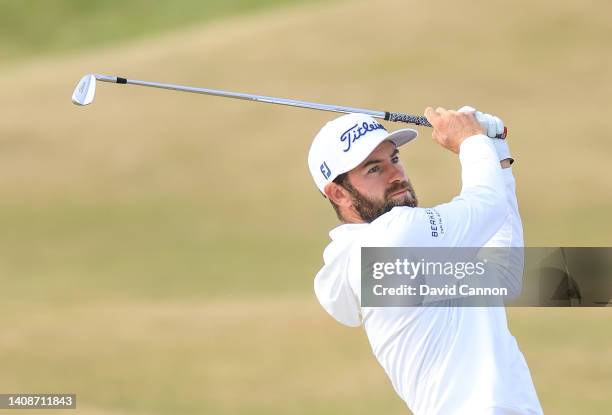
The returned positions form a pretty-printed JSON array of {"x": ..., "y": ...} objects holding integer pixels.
[
  {"x": 325, "y": 170},
  {"x": 356, "y": 132}
]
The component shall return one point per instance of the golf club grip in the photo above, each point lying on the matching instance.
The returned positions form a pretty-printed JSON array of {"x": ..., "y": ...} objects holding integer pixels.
[
  {"x": 407, "y": 118},
  {"x": 421, "y": 120}
]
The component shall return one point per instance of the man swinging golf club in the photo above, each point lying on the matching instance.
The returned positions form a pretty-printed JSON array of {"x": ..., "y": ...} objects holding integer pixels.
[{"x": 440, "y": 360}]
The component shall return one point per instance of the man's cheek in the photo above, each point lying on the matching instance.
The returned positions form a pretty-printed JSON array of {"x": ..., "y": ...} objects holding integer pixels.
[{"x": 372, "y": 187}]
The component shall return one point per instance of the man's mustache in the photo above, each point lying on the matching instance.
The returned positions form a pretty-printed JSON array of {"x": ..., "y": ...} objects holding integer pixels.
[{"x": 401, "y": 186}]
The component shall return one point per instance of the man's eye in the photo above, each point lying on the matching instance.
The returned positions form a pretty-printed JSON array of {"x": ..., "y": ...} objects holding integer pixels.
[
  {"x": 373, "y": 169},
  {"x": 395, "y": 159}
]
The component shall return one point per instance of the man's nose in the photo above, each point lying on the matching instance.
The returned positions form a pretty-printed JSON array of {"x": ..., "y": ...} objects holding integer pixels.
[{"x": 396, "y": 173}]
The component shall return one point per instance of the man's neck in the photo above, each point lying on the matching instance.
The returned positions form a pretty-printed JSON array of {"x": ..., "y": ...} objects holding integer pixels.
[{"x": 352, "y": 217}]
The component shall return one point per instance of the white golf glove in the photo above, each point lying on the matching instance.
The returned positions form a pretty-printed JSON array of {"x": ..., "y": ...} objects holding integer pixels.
[{"x": 493, "y": 127}]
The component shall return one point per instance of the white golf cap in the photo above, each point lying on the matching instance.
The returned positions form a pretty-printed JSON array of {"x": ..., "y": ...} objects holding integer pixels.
[{"x": 343, "y": 143}]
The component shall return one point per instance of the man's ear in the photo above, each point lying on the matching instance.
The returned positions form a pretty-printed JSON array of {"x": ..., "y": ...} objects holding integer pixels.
[{"x": 338, "y": 194}]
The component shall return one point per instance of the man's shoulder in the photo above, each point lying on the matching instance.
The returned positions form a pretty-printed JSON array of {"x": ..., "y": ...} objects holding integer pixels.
[
  {"x": 397, "y": 213},
  {"x": 382, "y": 230},
  {"x": 406, "y": 226},
  {"x": 401, "y": 225}
]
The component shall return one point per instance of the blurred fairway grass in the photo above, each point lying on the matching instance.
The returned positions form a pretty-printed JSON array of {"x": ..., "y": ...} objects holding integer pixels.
[
  {"x": 158, "y": 248},
  {"x": 35, "y": 27},
  {"x": 265, "y": 355},
  {"x": 152, "y": 250}
]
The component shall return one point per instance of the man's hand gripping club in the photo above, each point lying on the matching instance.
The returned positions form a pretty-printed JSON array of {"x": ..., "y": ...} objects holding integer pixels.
[{"x": 450, "y": 128}]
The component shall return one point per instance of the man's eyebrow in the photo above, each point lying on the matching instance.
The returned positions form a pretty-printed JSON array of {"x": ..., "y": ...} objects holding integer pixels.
[{"x": 370, "y": 162}]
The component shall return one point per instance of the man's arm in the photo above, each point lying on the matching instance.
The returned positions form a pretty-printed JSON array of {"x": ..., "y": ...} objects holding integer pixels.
[
  {"x": 511, "y": 232},
  {"x": 509, "y": 259},
  {"x": 471, "y": 218}
]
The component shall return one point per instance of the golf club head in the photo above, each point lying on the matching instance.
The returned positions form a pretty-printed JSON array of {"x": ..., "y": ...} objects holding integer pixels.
[{"x": 85, "y": 90}]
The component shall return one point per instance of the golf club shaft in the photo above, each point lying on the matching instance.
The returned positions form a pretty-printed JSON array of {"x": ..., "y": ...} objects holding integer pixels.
[
  {"x": 385, "y": 115},
  {"x": 389, "y": 116}
]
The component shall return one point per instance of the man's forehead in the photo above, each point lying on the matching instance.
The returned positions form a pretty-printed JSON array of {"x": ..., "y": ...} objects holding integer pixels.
[{"x": 382, "y": 151}]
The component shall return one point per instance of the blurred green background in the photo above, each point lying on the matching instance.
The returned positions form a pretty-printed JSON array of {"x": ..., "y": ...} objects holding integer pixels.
[{"x": 157, "y": 249}]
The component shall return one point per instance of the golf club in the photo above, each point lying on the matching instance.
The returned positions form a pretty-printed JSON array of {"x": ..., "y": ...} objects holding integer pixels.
[{"x": 86, "y": 88}]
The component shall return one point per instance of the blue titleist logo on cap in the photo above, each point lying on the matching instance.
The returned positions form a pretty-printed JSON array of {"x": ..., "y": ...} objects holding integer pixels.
[{"x": 356, "y": 132}]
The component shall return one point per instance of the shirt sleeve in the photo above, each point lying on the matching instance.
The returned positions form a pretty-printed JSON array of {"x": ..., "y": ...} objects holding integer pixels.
[
  {"x": 333, "y": 289},
  {"x": 470, "y": 219},
  {"x": 510, "y": 234},
  {"x": 509, "y": 258}
]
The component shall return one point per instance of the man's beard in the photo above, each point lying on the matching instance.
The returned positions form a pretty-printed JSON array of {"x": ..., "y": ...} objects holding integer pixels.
[{"x": 370, "y": 209}]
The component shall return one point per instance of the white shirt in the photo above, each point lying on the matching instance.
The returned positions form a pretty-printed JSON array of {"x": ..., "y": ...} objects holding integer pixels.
[{"x": 440, "y": 360}]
